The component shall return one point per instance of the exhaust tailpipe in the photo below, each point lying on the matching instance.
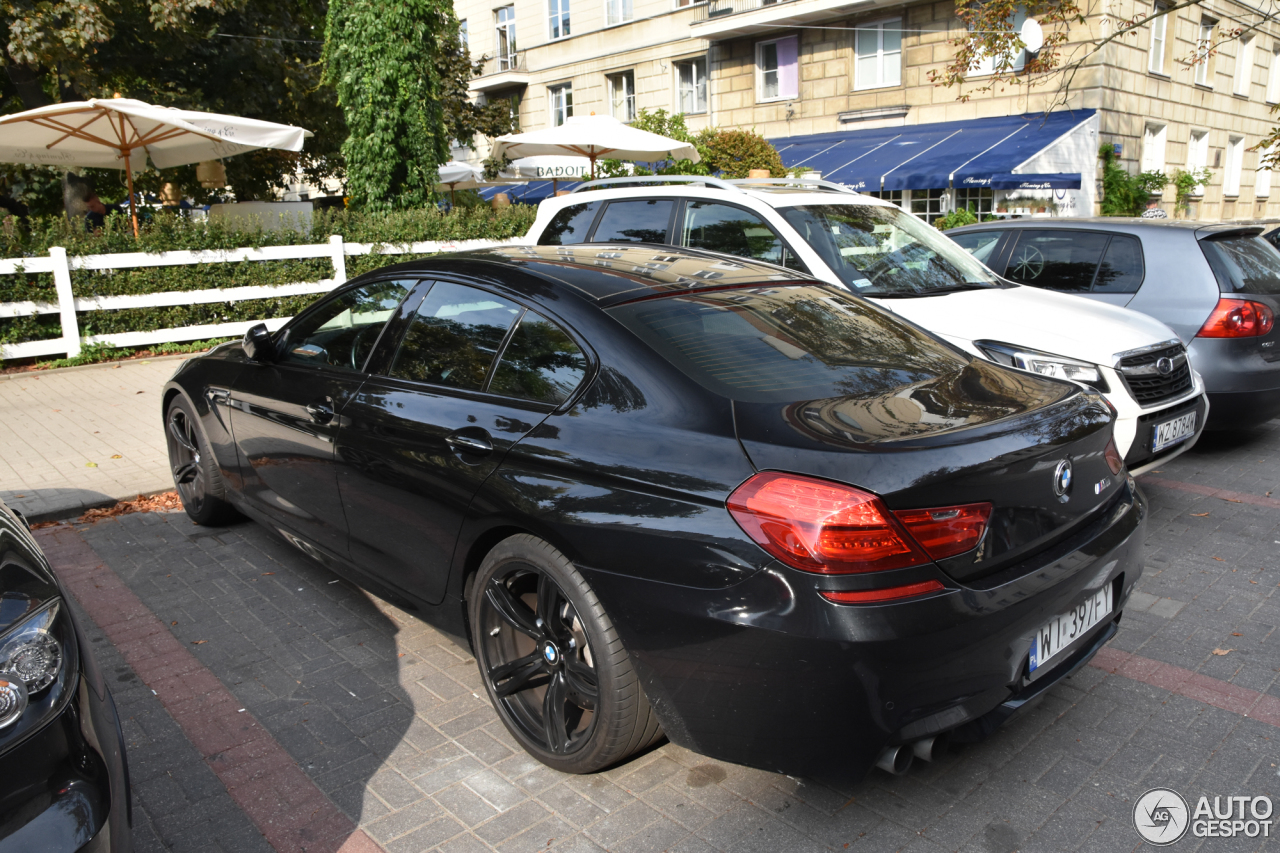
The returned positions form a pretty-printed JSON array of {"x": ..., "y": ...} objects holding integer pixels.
[
  {"x": 931, "y": 747},
  {"x": 895, "y": 759}
]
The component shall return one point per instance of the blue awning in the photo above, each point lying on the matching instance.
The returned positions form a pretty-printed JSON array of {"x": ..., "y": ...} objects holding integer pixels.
[
  {"x": 935, "y": 156},
  {"x": 1035, "y": 181}
]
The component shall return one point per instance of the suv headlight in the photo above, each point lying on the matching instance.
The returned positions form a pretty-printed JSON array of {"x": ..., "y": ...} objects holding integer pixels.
[
  {"x": 34, "y": 656},
  {"x": 1046, "y": 364}
]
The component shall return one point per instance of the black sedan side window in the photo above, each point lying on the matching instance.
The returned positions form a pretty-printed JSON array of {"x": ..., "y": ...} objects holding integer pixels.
[
  {"x": 454, "y": 337},
  {"x": 540, "y": 363},
  {"x": 341, "y": 332}
]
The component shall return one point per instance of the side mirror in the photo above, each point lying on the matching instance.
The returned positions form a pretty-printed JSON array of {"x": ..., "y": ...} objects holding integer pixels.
[{"x": 258, "y": 344}]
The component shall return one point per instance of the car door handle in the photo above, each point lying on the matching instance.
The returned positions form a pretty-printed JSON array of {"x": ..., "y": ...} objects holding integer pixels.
[
  {"x": 469, "y": 444},
  {"x": 321, "y": 411}
]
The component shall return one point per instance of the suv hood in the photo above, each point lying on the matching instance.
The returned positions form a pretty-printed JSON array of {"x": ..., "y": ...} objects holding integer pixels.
[{"x": 1039, "y": 319}]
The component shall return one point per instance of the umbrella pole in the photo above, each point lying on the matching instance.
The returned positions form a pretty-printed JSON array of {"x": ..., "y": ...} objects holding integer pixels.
[
  {"x": 133, "y": 211},
  {"x": 453, "y": 196}
]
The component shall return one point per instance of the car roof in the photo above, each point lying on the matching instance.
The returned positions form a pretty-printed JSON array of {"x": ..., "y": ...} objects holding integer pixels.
[
  {"x": 774, "y": 196},
  {"x": 609, "y": 273}
]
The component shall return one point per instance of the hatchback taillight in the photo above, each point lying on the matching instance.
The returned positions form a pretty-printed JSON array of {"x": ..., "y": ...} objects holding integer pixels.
[
  {"x": 820, "y": 526},
  {"x": 1237, "y": 318}
]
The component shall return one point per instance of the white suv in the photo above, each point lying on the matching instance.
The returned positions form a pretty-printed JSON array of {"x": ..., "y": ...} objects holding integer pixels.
[{"x": 877, "y": 251}]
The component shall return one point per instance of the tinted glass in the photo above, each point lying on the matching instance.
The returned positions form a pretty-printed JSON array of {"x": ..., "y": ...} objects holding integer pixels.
[
  {"x": 884, "y": 252},
  {"x": 1244, "y": 264},
  {"x": 782, "y": 344},
  {"x": 1121, "y": 270},
  {"x": 454, "y": 336},
  {"x": 635, "y": 222},
  {"x": 570, "y": 225},
  {"x": 1057, "y": 260},
  {"x": 341, "y": 333},
  {"x": 541, "y": 363},
  {"x": 721, "y": 228},
  {"x": 980, "y": 244}
]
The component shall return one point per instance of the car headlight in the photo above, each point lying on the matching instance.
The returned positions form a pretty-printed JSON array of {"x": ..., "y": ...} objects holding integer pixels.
[
  {"x": 34, "y": 654},
  {"x": 1046, "y": 364}
]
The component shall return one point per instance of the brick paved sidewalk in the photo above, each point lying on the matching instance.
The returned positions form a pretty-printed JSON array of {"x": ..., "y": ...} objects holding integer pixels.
[
  {"x": 385, "y": 716},
  {"x": 81, "y": 437}
]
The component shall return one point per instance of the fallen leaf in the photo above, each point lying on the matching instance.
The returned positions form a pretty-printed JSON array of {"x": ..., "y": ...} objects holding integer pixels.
[
  {"x": 163, "y": 502},
  {"x": 1223, "y": 652},
  {"x": 268, "y": 573},
  {"x": 91, "y": 464},
  {"x": 117, "y": 456},
  {"x": 201, "y": 642},
  {"x": 1199, "y": 514},
  {"x": 143, "y": 392},
  {"x": 174, "y": 622},
  {"x": 1228, "y": 500},
  {"x": 1234, "y": 634},
  {"x": 1219, "y": 559},
  {"x": 1252, "y": 581}
]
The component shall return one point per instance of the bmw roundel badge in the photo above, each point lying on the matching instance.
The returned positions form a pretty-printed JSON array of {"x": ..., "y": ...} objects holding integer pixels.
[{"x": 1062, "y": 479}]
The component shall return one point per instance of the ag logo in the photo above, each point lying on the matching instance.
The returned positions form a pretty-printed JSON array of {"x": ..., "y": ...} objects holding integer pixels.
[{"x": 1161, "y": 817}]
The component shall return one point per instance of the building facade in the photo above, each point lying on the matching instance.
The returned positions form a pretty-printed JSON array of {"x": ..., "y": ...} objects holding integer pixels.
[{"x": 1179, "y": 94}]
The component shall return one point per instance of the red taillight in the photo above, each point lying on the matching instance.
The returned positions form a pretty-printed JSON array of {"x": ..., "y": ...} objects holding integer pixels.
[
  {"x": 893, "y": 593},
  {"x": 1114, "y": 460},
  {"x": 948, "y": 530},
  {"x": 823, "y": 527},
  {"x": 1237, "y": 318}
]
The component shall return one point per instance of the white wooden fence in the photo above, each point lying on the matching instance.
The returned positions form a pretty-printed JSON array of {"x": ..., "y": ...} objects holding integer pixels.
[{"x": 67, "y": 305}]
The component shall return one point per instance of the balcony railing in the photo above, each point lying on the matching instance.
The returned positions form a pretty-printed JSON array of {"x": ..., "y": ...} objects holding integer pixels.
[
  {"x": 713, "y": 9},
  {"x": 502, "y": 63}
]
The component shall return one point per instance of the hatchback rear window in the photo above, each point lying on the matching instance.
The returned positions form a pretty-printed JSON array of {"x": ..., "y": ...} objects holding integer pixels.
[
  {"x": 1243, "y": 264},
  {"x": 783, "y": 344}
]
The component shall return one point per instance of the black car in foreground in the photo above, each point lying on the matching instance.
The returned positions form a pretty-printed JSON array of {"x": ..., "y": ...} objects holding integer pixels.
[
  {"x": 64, "y": 784},
  {"x": 669, "y": 491}
]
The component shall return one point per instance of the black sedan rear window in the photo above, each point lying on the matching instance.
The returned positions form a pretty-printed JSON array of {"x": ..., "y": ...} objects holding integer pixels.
[
  {"x": 782, "y": 344},
  {"x": 1243, "y": 264}
]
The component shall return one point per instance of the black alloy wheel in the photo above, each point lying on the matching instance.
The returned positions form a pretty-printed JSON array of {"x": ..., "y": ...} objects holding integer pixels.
[
  {"x": 195, "y": 471},
  {"x": 552, "y": 663}
]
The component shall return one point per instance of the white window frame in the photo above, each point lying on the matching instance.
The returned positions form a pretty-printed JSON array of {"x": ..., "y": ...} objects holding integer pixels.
[
  {"x": 1204, "y": 41},
  {"x": 760, "y": 72},
  {"x": 882, "y": 59},
  {"x": 556, "y": 106},
  {"x": 1159, "y": 31},
  {"x": 508, "y": 60},
  {"x": 464, "y": 37},
  {"x": 628, "y": 111},
  {"x": 699, "y": 84},
  {"x": 1244, "y": 65},
  {"x": 986, "y": 63},
  {"x": 1234, "y": 168},
  {"x": 558, "y": 16},
  {"x": 1154, "y": 141},
  {"x": 1273, "y": 76},
  {"x": 618, "y": 12},
  {"x": 1262, "y": 183},
  {"x": 1198, "y": 155}
]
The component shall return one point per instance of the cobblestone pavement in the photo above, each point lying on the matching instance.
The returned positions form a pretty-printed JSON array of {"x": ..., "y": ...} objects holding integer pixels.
[
  {"x": 385, "y": 715},
  {"x": 82, "y": 437}
]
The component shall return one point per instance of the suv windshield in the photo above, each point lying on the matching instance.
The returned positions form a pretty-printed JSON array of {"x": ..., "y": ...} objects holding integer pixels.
[{"x": 881, "y": 251}]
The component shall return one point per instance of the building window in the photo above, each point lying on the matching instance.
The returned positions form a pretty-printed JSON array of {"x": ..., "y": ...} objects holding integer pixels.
[
  {"x": 778, "y": 69},
  {"x": 879, "y": 60},
  {"x": 1204, "y": 43},
  {"x": 1244, "y": 66},
  {"x": 561, "y": 98},
  {"x": 1273, "y": 77},
  {"x": 929, "y": 205},
  {"x": 1160, "y": 26},
  {"x": 622, "y": 95},
  {"x": 505, "y": 23},
  {"x": 978, "y": 200},
  {"x": 1262, "y": 184},
  {"x": 681, "y": 4},
  {"x": 986, "y": 63},
  {"x": 894, "y": 196},
  {"x": 463, "y": 39},
  {"x": 1235, "y": 165},
  {"x": 691, "y": 85},
  {"x": 558, "y": 18},
  {"x": 617, "y": 12},
  {"x": 1153, "y": 148},
  {"x": 1198, "y": 155}
]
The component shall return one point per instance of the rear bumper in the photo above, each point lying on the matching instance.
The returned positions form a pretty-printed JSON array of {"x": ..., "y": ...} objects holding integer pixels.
[{"x": 769, "y": 674}]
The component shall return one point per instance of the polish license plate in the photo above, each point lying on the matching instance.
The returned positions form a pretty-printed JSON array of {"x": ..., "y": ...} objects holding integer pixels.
[
  {"x": 1062, "y": 631},
  {"x": 1171, "y": 432}
]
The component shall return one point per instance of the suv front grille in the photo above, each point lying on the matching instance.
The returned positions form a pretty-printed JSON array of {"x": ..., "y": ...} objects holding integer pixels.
[{"x": 1147, "y": 385}]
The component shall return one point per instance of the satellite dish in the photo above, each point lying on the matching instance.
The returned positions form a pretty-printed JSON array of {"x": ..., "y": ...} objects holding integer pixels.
[{"x": 1032, "y": 36}]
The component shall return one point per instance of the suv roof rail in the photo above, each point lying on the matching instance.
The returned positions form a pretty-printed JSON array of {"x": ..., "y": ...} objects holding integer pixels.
[
  {"x": 814, "y": 183},
  {"x": 656, "y": 179}
]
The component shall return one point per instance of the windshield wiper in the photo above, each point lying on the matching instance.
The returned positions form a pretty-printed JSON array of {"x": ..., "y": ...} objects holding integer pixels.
[{"x": 928, "y": 291}]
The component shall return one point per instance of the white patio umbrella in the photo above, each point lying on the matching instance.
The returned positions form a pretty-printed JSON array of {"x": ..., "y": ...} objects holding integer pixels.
[
  {"x": 456, "y": 175},
  {"x": 594, "y": 137},
  {"x": 548, "y": 167},
  {"x": 121, "y": 133}
]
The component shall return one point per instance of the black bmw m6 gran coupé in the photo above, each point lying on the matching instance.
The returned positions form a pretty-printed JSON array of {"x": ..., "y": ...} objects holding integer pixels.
[{"x": 665, "y": 491}]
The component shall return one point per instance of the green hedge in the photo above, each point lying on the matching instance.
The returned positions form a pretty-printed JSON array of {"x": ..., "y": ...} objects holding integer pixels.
[{"x": 168, "y": 233}]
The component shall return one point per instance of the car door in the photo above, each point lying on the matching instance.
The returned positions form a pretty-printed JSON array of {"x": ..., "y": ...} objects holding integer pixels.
[
  {"x": 474, "y": 372},
  {"x": 734, "y": 230},
  {"x": 286, "y": 412}
]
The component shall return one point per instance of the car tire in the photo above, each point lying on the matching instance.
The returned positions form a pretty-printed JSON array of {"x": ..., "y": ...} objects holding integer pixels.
[
  {"x": 536, "y": 628},
  {"x": 195, "y": 469}
]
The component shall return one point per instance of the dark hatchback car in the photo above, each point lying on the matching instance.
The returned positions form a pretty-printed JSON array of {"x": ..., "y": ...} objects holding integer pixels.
[
  {"x": 64, "y": 784},
  {"x": 668, "y": 491},
  {"x": 1216, "y": 285}
]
